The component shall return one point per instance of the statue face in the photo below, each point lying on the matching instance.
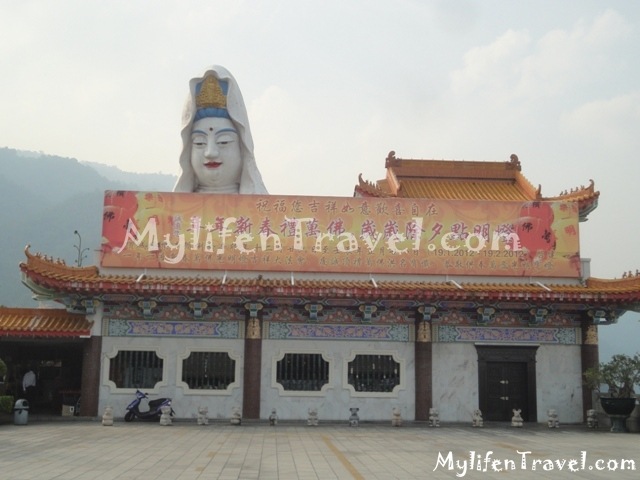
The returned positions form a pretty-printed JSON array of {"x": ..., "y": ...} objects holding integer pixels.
[{"x": 215, "y": 153}]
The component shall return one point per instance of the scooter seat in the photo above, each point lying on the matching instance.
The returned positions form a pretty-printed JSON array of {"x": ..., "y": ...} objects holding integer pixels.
[{"x": 156, "y": 403}]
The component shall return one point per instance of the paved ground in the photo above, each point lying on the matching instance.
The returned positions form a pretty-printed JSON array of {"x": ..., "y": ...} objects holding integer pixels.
[{"x": 88, "y": 450}]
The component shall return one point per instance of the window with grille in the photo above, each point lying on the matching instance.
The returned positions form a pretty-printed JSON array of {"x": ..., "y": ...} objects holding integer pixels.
[
  {"x": 208, "y": 370},
  {"x": 374, "y": 373},
  {"x": 135, "y": 369},
  {"x": 306, "y": 372}
]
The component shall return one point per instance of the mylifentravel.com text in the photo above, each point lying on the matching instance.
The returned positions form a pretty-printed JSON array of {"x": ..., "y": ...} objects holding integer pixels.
[{"x": 487, "y": 462}]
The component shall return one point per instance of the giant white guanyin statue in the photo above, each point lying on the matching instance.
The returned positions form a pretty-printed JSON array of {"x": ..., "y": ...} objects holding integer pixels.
[{"x": 217, "y": 148}]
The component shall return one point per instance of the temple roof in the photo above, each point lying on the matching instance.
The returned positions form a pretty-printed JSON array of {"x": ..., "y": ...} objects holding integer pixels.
[
  {"x": 42, "y": 322},
  {"x": 47, "y": 276},
  {"x": 467, "y": 180}
]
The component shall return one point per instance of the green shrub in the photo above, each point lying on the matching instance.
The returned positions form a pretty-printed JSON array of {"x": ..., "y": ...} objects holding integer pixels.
[
  {"x": 6, "y": 403},
  {"x": 621, "y": 374}
]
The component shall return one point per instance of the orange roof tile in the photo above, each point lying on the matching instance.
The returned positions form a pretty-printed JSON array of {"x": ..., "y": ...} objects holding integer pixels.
[
  {"x": 406, "y": 168},
  {"x": 64, "y": 281},
  {"x": 466, "y": 180},
  {"x": 462, "y": 190},
  {"x": 42, "y": 322}
]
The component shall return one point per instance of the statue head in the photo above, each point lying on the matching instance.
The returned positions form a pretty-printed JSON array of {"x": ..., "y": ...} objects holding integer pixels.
[{"x": 217, "y": 147}]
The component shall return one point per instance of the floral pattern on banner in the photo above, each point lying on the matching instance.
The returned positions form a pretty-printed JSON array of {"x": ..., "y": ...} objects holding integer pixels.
[
  {"x": 564, "y": 336},
  {"x": 396, "y": 333},
  {"x": 140, "y": 328}
]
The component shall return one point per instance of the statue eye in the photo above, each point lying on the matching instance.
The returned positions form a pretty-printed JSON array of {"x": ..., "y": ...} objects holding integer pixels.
[
  {"x": 224, "y": 140},
  {"x": 199, "y": 141}
]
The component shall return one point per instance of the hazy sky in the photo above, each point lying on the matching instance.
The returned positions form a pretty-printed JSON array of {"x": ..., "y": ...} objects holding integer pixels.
[{"x": 332, "y": 86}]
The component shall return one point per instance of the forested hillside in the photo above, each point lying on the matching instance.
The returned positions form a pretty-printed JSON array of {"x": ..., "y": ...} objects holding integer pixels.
[{"x": 44, "y": 199}]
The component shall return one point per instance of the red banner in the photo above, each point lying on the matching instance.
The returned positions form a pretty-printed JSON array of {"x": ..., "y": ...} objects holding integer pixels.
[{"x": 339, "y": 234}]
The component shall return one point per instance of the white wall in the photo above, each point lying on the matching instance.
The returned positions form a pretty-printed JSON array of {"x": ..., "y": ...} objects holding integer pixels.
[
  {"x": 333, "y": 402},
  {"x": 173, "y": 350},
  {"x": 455, "y": 381},
  {"x": 559, "y": 382}
]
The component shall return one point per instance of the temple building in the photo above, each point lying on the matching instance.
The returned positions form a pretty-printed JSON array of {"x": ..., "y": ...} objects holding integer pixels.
[{"x": 453, "y": 285}]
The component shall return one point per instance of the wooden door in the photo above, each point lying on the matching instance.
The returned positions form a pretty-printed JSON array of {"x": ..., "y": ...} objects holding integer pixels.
[{"x": 506, "y": 388}]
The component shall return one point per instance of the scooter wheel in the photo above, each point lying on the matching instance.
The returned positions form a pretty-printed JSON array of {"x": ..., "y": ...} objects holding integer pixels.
[{"x": 129, "y": 416}]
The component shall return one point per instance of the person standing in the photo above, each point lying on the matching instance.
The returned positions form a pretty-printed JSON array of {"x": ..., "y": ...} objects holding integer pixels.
[{"x": 29, "y": 386}]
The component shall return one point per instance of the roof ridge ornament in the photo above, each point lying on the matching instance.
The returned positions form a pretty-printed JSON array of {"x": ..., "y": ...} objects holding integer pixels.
[
  {"x": 370, "y": 188},
  {"x": 579, "y": 191},
  {"x": 391, "y": 159},
  {"x": 515, "y": 162}
]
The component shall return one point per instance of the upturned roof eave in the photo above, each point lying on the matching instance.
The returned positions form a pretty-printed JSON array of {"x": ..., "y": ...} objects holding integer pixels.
[{"x": 599, "y": 292}]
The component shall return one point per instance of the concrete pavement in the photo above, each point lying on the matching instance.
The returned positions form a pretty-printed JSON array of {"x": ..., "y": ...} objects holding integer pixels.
[{"x": 72, "y": 450}]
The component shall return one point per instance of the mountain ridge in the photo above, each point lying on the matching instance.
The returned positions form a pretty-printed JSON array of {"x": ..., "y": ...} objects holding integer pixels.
[{"x": 45, "y": 199}]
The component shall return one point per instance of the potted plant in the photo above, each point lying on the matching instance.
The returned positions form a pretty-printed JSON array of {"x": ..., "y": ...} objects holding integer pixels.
[
  {"x": 6, "y": 401},
  {"x": 620, "y": 374}
]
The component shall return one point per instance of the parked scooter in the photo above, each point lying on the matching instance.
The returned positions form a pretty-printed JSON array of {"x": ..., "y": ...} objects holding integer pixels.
[{"x": 154, "y": 411}]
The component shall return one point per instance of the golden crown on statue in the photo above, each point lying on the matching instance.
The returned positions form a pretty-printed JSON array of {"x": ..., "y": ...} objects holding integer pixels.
[{"x": 211, "y": 95}]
